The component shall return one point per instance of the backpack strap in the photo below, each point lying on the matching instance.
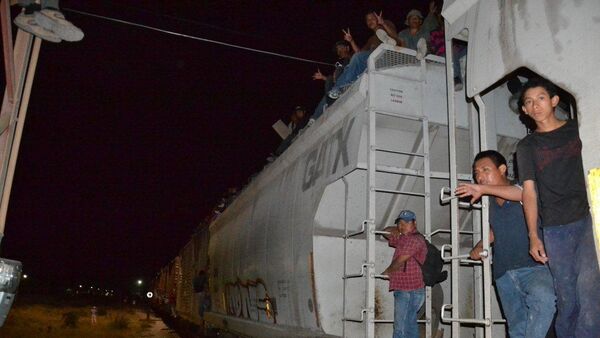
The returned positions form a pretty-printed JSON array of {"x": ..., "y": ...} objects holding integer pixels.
[{"x": 413, "y": 257}]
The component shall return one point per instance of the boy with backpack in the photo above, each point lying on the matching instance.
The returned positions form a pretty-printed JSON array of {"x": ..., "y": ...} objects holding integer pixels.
[
  {"x": 551, "y": 172},
  {"x": 406, "y": 279},
  {"x": 524, "y": 286}
]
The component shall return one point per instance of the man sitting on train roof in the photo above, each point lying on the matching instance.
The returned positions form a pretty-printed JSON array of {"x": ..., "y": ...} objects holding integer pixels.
[
  {"x": 417, "y": 27},
  {"x": 358, "y": 62},
  {"x": 46, "y": 21},
  {"x": 524, "y": 286},
  {"x": 405, "y": 276},
  {"x": 297, "y": 122},
  {"x": 344, "y": 53}
]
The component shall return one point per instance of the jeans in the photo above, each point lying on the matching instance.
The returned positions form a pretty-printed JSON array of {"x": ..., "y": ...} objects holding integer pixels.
[
  {"x": 528, "y": 300},
  {"x": 320, "y": 108},
  {"x": 406, "y": 306},
  {"x": 574, "y": 265},
  {"x": 459, "y": 53},
  {"x": 44, "y": 3},
  {"x": 356, "y": 66}
]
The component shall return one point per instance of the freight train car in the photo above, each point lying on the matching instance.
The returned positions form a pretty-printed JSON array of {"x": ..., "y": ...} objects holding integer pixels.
[{"x": 298, "y": 253}]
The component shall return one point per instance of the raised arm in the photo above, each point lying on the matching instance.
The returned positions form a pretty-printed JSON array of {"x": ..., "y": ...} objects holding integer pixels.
[
  {"x": 430, "y": 23},
  {"x": 348, "y": 37},
  {"x": 389, "y": 28},
  {"x": 530, "y": 207},
  {"x": 507, "y": 192}
]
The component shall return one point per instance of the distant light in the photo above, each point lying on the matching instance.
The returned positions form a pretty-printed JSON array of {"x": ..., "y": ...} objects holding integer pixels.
[
  {"x": 80, "y": 286},
  {"x": 139, "y": 282},
  {"x": 149, "y": 294},
  {"x": 91, "y": 287},
  {"x": 25, "y": 276}
]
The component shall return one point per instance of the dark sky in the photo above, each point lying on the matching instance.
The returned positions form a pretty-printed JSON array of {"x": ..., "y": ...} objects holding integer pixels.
[{"x": 133, "y": 135}]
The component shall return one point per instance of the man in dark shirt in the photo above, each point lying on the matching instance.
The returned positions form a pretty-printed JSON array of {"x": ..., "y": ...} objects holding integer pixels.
[
  {"x": 344, "y": 53},
  {"x": 551, "y": 171},
  {"x": 524, "y": 286}
]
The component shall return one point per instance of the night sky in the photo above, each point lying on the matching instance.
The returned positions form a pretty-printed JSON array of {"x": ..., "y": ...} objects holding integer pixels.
[{"x": 133, "y": 135}]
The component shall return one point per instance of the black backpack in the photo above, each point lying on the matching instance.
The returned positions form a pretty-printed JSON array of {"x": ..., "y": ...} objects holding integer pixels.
[{"x": 432, "y": 266}]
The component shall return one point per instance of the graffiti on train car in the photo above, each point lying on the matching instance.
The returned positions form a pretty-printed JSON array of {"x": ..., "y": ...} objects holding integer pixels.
[
  {"x": 319, "y": 160},
  {"x": 250, "y": 300}
]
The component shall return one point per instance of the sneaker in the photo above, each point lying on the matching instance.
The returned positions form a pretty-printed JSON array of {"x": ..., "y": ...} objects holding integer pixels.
[
  {"x": 458, "y": 85},
  {"x": 421, "y": 49},
  {"x": 55, "y": 21},
  {"x": 27, "y": 23},
  {"x": 383, "y": 36},
  {"x": 334, "y": 94}
]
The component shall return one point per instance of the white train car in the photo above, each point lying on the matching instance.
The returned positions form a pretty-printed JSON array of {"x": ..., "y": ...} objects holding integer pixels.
[{"x": 297, "y": 254}]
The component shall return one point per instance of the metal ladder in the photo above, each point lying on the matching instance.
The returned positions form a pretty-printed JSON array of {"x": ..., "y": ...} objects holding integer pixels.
[
  {"x": 367, "y": 270},
  {"x": 482, "y": 283},
  {"x": 20, "y": 61}
]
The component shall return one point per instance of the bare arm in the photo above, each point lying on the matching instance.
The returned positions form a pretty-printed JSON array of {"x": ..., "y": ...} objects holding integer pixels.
[
  {"x": 536, "y": 247},
  {"x": 348, "y": 37},
  {"x": 507, "y": 192},
  {"x": 394, "y": 232},
  {"x": 476, "y": 251}
]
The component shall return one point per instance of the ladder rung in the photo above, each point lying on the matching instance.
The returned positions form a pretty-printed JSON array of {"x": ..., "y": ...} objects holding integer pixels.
[
  {"x": 404, "y": 171},
  {"x": 385, "y": 150},
  {"x": 399, "y": 192},
  {"x": 399, "y": 171},
  {"x": 358, "y": 320},
  {"x": 485, "y": 322},
  {"x": 400, "y": 116},
  {"x": 356, "y": 275},
  {"x": 391, "y": 321}
]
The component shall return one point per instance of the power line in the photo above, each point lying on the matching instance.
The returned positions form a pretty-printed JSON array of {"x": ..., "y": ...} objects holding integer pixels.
[{"x": 196, "y": 37}]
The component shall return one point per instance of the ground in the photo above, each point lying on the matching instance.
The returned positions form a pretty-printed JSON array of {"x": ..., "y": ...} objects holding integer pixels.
[{"x": 56, "y": 319}]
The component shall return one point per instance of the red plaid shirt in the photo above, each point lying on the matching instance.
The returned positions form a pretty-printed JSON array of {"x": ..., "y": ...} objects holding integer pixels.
[{"x": 413, "y": 245}]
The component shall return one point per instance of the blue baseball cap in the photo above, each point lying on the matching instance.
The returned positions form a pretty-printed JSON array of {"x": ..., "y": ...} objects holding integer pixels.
[{"x": 405, "y": 215}]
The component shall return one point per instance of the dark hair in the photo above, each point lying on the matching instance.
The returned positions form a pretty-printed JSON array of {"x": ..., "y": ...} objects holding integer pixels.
[
  {"x": 537, "y": 82},
  {"x": 493, "y": 155},
  {"x": 342, "y": 43}
]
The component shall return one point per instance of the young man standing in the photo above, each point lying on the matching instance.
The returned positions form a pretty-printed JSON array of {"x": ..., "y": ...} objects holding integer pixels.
[
  {"x": 406, "y": 279},
  {"x": 551, "y": 171},
  {"x": 524, "y": 286}
]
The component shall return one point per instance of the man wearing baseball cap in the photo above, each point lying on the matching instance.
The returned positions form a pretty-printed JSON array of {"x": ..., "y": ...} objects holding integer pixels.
[{"x": 404, "y": 272}]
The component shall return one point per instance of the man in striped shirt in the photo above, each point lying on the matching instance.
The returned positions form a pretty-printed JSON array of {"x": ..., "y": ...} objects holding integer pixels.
[{"x": 406, "y": 279}]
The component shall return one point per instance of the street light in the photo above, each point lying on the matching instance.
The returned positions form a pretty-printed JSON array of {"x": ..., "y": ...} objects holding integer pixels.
[{"x": 139, "y": 282}]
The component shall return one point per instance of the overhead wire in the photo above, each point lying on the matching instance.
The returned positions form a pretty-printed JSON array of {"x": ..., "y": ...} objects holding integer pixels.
[{"x": 261, "y": 51}]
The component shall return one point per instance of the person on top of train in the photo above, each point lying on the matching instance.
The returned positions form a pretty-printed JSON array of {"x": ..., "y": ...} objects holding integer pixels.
[
  {"x": 358, "y": 62},
  {"x": 46, "y": 21},
  {"x": 404, "y": 272},
  {"x": 417, "y": 27},
  {"x": 344, "y": 53},
  {"x": 554, "y": 195},
  {"x": 524, "y": 286}
]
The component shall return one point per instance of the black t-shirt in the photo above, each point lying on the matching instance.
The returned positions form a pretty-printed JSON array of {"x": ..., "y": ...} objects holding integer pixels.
[{"x": 553, "y": 160}]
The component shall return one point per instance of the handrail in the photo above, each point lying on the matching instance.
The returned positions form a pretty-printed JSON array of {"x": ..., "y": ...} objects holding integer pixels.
[
  {"x": 464, "y": 258},
  {"x": 446, "y": 191}
]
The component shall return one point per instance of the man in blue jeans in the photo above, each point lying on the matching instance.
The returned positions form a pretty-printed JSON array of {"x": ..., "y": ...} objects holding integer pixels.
[
  {"x": 551, "y": 170},
  {"x": 524, "y": 286},
  {"x": 405, "y": 276},
  {"x": 358, "y": 62}
]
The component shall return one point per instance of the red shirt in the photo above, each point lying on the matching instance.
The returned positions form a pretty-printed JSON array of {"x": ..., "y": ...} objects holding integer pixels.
[{"x": 413, "y": 245}]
